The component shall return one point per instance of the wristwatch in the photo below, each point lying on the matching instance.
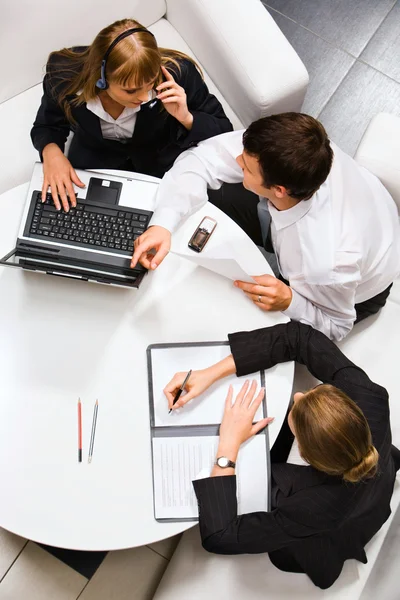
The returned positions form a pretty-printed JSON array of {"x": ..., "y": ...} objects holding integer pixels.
[{"x": 224, "y": 462}]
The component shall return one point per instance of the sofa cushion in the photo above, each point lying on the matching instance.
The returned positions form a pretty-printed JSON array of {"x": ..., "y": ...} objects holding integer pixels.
[
  {"x": 16, "y": 150},
  {"x": 379, "y": 152},
  {"x": 31, "y": 30},
  {"x": 168, "y": 37}
]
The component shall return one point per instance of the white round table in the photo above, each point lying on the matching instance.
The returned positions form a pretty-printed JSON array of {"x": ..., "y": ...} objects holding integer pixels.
[{"x": 63, "y": 339}]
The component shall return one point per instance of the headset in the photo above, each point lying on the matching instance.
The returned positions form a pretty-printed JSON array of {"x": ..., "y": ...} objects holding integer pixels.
[{"x": 102, "y": 82}]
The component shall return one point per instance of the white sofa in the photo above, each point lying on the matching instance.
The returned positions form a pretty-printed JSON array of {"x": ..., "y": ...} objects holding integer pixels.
[
  {"x": 373, "y": 344},
  {"x": 247, "y": 61}
]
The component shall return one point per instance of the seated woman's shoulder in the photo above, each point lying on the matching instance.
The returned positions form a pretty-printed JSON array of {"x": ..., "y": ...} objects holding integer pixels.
[
  {"x": 61, "y": 68},
  {"x": 63, "y": 61}
]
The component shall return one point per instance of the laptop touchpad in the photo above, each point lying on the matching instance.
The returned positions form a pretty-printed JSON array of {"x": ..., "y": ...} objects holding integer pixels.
[{"x": 103, "y": 190}]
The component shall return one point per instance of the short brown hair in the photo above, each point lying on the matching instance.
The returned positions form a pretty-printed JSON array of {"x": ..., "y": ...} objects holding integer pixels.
[
  {"x": 293, "y": 151},
  {"x": 333, "y": 434}
]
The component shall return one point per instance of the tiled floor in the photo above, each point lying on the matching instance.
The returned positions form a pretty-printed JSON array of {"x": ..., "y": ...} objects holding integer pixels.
[
  {"x": 351, "y": 49},
  {"x": 29, "y": 571}
]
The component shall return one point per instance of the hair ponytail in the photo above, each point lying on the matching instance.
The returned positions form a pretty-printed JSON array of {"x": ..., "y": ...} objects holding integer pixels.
[
  {"x": 333, "y": 434},
  {"x": 365, "y": 468}
]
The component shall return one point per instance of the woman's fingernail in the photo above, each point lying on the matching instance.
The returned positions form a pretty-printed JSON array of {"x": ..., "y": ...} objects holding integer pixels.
[{"x": 235, "y": 283}]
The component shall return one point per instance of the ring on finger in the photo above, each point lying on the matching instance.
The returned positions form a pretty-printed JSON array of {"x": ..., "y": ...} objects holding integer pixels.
[{"x": 259, "y": 298}]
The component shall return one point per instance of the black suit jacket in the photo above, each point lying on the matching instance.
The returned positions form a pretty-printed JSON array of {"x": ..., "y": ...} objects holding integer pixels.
[
  {"x": 319, "y": 521},
  {"x": 157, "y": 140}
]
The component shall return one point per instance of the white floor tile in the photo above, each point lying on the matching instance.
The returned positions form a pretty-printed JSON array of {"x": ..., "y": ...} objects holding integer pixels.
[
  {"x": 37, "y": 575},
  {"x": 166, "y": 547},
  {"x": 126, "y": 575},
  {"x": 10, "y": 546}
]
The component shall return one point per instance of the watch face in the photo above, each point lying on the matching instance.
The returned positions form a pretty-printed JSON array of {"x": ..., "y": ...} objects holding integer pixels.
[{"x": 223, "y": 462}]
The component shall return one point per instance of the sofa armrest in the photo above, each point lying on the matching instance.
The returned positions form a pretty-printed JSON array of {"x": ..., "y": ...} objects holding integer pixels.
[
  {"x": 244, "y": 52},
  {"x": 379, "y": 152}
]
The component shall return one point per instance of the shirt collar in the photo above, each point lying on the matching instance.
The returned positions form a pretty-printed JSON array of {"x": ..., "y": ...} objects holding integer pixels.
[
  {"x": 96, "y": 107},
  {"x": 286, "y": 218}
]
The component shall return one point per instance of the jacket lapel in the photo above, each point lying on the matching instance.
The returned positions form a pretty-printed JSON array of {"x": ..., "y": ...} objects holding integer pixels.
[{"x": 91, "y": 121}]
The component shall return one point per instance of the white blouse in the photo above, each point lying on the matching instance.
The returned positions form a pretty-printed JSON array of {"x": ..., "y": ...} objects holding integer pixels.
[{"x": 120, "y": 129}]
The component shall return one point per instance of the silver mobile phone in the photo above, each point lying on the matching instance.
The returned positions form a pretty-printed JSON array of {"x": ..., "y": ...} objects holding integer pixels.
[{"x": 202, "y": 234}]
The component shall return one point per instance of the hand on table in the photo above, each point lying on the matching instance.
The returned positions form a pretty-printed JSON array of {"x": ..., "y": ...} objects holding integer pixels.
[
  {"x": 173, "y": 97},
  {"x": 59, "y": 175},
  {"x": 155, "y": 238},
  {"x": 268, "y": 293},
  {"x": 237, "y": 423},
  {"x": 199, "y": 382}
]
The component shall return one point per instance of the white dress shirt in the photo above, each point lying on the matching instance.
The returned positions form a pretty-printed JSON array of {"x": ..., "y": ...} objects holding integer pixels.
[
  {"x": 120, "y": 129},
  {"x": 339, "y": 248}
]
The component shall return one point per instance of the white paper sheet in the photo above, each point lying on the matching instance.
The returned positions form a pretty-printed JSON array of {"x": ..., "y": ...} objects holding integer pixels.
[
  {"x": 206, "y": 409},
  {"x": 178, "y": 461},
  {"x": 226, "y": 260},
  {"x": 227, "y": 267}
]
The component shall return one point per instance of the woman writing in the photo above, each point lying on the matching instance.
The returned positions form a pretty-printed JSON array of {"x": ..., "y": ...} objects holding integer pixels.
[
  {"x": 325, "y": 511},
  {"x": 130, "y": 104}
]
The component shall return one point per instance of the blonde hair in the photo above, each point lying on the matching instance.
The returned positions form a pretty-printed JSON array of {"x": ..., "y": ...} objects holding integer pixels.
[
  {"x": 135, "y": 61},
  {"x": 333, "y": 434}
]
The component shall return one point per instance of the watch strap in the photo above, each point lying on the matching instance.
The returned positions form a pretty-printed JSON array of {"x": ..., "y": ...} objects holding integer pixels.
[{"x": 229, "y": 463}]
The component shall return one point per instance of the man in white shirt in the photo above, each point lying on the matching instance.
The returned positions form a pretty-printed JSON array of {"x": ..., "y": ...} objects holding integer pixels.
[{"x": 334, "y": 227}]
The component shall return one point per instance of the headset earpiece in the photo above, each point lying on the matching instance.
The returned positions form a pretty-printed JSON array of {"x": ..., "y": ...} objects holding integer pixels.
[{"x": 102, "y": 82}]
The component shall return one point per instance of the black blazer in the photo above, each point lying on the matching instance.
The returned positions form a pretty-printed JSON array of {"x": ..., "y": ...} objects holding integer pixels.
[
  {"x": 319, "y": 520},
  {"x": 157, "y": 140}
]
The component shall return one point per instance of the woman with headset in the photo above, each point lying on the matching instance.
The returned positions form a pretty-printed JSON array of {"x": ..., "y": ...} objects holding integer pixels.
[
  {"x": 325, "y": 509},
  {"x": 130, "y": 104}
]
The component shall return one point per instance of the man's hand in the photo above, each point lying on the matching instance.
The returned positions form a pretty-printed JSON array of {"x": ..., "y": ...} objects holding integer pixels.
[
  {"x": 268, "y": 293},
  {"x": 156, "y": 239}
]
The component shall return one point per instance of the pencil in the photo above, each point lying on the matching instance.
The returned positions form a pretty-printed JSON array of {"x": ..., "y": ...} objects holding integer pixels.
[
  {"x": 96, "y": 406},
  {"x": 79, "y": 431}
]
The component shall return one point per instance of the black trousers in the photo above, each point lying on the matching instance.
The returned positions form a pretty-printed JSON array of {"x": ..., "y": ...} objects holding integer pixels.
[{"x": 241, "y": 206}]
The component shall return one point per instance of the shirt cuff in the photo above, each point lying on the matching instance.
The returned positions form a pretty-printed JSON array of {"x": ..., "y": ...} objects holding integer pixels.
[
  {"x": 297, "y": 307},
  {"x": 166, "y": 217}
]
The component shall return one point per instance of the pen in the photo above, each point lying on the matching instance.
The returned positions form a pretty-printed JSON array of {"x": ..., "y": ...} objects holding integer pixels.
[
  {"x": 79, "y": 431},
  {"x": 96, "y": 407},
  {"x": 179, "y": 392}
]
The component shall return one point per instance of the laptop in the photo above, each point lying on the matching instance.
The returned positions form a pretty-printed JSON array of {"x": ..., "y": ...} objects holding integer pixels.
[{"x": 93, "y": 241}]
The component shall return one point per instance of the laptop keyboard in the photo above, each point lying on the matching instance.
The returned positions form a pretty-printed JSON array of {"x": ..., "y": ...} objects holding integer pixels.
[{"x": 106, "y": 229}]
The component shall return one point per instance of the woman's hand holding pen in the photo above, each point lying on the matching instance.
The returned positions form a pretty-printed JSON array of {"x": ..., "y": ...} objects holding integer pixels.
[
  {"x": 173, "y": 97},
  {"x": 59, "y": 176},
  {"x": 198, "y": 382}
]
